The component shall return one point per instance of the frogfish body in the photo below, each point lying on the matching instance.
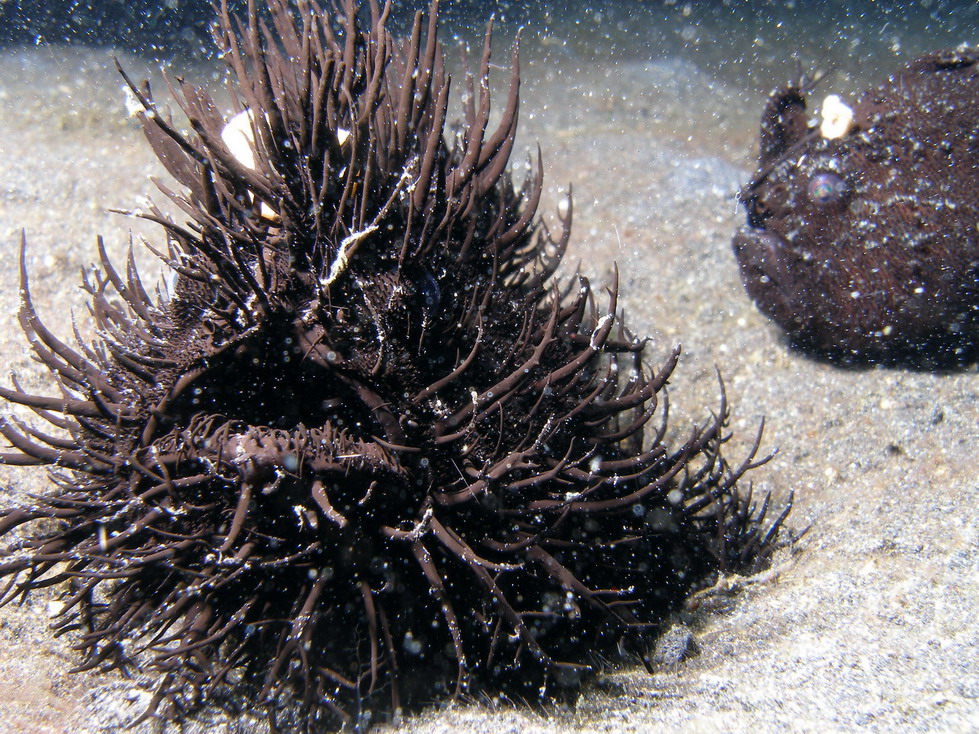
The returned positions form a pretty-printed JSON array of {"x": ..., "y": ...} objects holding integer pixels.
[{"x": 862, "y": 239}]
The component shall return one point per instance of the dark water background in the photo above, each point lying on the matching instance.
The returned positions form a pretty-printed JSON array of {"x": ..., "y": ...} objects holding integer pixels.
[{"x": 737, "y": 39}]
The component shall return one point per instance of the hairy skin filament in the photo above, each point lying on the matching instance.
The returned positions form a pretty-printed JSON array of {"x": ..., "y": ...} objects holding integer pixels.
[{"x": 368, "y": 453}]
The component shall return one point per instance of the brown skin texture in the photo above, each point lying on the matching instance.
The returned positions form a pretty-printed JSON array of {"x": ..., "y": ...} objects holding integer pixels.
[{"x": 882, "y": 266}]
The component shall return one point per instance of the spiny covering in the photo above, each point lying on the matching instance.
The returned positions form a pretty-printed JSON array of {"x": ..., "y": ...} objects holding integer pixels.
[{"x": 366, "y": 454}]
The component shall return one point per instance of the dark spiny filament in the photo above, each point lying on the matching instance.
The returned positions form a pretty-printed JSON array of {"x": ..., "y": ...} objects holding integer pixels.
[{"x": 366, "y": 453}]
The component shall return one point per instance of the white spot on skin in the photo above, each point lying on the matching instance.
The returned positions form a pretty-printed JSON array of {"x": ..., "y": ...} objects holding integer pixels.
[
  {"x": 238, "y": 135},
  {"x": 837, "y": 118}
]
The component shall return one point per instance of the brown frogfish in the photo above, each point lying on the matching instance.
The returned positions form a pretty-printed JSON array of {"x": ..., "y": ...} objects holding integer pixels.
[{"x": 862, "y": 239}]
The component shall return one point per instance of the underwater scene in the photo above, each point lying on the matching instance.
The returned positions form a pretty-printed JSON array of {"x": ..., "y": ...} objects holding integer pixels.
[{"x": 489, "y": 366}]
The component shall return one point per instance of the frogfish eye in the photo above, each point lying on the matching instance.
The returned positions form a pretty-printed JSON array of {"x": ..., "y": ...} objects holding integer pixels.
[
  {"x": 826, "y": 188},
  {"x": 430, "y": 292}
]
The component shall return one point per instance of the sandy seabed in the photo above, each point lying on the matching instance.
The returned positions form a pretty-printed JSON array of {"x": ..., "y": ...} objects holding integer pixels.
[{"x": 869, "y": 622}]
